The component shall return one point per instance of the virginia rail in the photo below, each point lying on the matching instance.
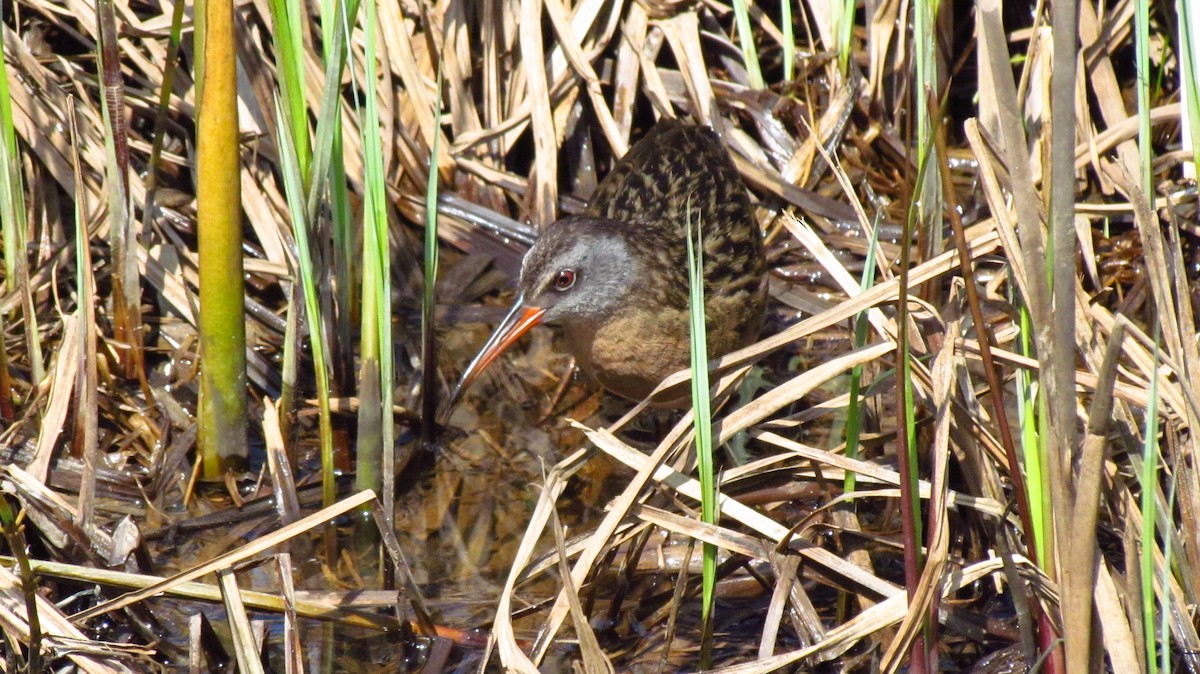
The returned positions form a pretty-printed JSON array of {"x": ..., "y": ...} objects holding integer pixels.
[{"x": 615, "y": 278}]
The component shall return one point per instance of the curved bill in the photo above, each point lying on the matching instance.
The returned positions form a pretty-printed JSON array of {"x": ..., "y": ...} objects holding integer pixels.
[{"x": 516, "y": 323}]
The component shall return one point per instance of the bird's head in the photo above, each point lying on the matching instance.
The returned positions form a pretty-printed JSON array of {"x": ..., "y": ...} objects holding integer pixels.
[{"x": 580, "y": 270}]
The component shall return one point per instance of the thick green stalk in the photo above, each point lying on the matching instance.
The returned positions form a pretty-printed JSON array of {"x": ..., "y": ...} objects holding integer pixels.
[{"x": 222, "y": 438}]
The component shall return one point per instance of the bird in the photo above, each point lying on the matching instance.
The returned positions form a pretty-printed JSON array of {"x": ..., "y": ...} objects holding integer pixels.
[{"x": 615, "y": 277}]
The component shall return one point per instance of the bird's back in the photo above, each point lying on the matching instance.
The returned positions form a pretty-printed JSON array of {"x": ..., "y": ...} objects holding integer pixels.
[{"x": 674, "y": 172}]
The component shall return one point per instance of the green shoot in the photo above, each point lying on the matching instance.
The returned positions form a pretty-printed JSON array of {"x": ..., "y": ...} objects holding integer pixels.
[
  {"x": 745, "y": 31},
  {"x": 701, "y": 406}
]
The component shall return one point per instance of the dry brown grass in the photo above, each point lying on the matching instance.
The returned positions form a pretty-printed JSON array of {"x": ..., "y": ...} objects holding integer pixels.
[{"x": 540, "y": 97}]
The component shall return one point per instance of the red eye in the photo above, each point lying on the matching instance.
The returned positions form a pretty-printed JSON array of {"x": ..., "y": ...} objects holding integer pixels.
[{"x": 564, "y": 280}]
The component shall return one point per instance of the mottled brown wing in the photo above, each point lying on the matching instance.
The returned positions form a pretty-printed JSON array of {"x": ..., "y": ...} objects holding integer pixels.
[{"x": 674, "y": 170}]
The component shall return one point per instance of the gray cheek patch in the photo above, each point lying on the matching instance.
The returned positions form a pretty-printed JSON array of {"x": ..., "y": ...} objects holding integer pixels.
[{"x": 618, "y": 266}]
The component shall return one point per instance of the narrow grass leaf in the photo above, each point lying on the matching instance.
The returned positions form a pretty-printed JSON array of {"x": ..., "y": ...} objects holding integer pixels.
[
  {"x": 701, "y": 404},
  {"x": 845, "y": 33},
  {"x": 12, "y": 189},
  {"x": 13, "y": 220},
  {"x": 375, "y": 388},
  {"x": 854, "y": 414},
  {"x": 1141, "y": 25},
  {"x": 1189, "y": 78},
  {"x": 289, "y": 62},
  {"x": 343, "y": 263},
  {"x": 789, "y": 40},
  {"x": 294, "y": 192},
  {"x": 910, "y": 503},
  {"x": 15, "y": 538},
  {"x": 745, "y": 32},
  {"x": 429, "y": 297},
  {"x": 328, "y": 118},
  {"x": 929, "y": 189},
  {"x": 1032, "y": 434},
  {"x": 1149, "y": 508}
]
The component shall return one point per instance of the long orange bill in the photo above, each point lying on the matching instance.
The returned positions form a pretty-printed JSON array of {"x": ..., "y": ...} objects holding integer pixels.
[{"x": 516, "y": 323}]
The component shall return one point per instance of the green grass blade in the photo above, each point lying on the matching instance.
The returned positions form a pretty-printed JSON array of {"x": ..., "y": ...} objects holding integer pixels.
[
  {"x": 1149, "y": 508},
  {"x": 303, "y": 193},
  {"x": 376, "y": 391},
  {"x": 1189, "y": 71},
  {"x": 344, "y": 264},
  {"x": 13, "y": 219},
  {"x": 328, "y": 117},
  {"x": 861, "y": 327},
  {"x": 377, "y": 183},
  {"x": 845, "y": 28},
  {"x": 7, "y": 408},
  {"x": 12, "y": 189},
  {"x": 429, "y": 297},
  {"x": 745, "y": 31},
  {"x": 929, "y": 188},
  {"x": 329, "y": 173},
  {"x": 701, "y": 406},
  {"x": 15, "y": 537},
  {"x": 912, "y": 536},
  {"x": 1031, "y": 440},
  {"x": 289, "y": 62},
  {"x": 1141, "y": 24},
  {"x": 294, "y": 192}
]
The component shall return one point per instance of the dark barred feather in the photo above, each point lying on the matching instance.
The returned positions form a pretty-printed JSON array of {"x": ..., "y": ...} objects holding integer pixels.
[{"x": 676, "y": 171}]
